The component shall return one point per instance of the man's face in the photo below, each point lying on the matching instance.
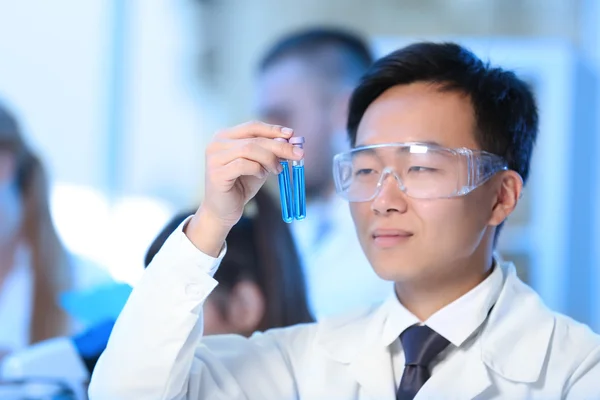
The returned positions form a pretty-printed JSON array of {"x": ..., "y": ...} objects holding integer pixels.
[
  {"x": 406, "y": 239},
  {"x": 292, "y": 95}
]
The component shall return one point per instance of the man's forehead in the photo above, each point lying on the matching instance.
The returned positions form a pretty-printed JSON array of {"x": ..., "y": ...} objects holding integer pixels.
[
  {"x": 419, "y": 113},
  {"x": 422, "y": 102}
]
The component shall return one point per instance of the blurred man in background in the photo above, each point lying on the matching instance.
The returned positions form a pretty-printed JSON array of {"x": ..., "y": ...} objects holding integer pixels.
[{"x": 304, "y": 82}]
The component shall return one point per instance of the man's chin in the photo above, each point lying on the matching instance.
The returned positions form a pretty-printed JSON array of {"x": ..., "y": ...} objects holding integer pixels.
[{"x": 396, "y": 271}]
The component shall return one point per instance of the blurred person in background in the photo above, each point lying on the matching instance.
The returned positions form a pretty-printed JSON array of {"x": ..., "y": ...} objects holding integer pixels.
[
  {"x": 304, "y": 82},
  {"x": 261, "y": 287},
  {"x": 35, "y": 268}
]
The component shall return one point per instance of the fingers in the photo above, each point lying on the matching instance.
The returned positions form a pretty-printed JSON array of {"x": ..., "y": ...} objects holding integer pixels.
[
  {"x": 241, "y": 167},
  {"x": 248, "y": 151},
  {"x": 255, "y": 129},
  {"x": 266, "y": 152}
]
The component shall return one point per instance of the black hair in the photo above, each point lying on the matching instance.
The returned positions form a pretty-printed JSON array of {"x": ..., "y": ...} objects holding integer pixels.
[
  {"x": 504, "y": 106},
  {"x": 335, "y": 53},
  {"x": 260, "y": 249}
]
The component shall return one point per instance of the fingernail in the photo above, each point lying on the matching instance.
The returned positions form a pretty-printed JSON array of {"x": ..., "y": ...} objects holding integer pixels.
[
  {"x": 287, "y": 131},
  {"x": 298, "y": 151},
  {"x": 279, "y": 168}
]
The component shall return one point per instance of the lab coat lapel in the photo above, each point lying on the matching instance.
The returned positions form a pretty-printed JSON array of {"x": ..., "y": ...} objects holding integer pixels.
[
  {"x": 373, "y": 371},
  {"x": 515, "y": 341},
  {"x": 464, "y": 379},
  {"x": 356, "y": 341},
  {"x": 512, "y": 343}
]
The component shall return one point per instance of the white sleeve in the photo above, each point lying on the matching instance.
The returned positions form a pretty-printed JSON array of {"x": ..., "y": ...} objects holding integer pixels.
[{"x": 156, "y": 350}]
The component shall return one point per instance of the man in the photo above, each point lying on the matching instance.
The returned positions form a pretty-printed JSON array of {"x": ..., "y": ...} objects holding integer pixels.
[
  {"x": 442, "y": 145},
  {"x": 304, "y": 82}
]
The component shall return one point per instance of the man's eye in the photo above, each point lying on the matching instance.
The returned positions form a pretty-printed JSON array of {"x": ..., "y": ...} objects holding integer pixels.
[
  {"x": 364, "y": 171},
  {"x": 418, "y": 168}
]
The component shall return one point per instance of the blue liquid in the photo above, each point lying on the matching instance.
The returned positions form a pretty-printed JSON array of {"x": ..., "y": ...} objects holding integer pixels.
[
  {"x": 299, "y": 192},
  {"x": 285, "y": 193}
]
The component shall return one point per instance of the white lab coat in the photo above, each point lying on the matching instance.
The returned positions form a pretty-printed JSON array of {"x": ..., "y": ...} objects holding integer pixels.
[{"x": 523, "y": 350}]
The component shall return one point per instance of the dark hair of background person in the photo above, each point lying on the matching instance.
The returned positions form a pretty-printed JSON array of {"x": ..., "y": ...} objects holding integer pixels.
[
  {"x": 49, "y": 259},
  {"x": 260, "y": 249},
  {"x": 336, "y": 53},
  {"x": 505, "y": 109}
]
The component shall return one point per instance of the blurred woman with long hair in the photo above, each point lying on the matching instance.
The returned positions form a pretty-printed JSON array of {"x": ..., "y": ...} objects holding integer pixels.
[{"x": 34, "y": 265}]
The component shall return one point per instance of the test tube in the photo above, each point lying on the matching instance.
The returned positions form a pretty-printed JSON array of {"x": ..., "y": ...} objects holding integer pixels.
[
  {"x": 285, "y": 189},
  {"x": 298, "y": 179}
]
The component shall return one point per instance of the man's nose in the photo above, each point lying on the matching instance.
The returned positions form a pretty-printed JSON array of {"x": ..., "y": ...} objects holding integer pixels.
[{"x": 390, "y": 196}]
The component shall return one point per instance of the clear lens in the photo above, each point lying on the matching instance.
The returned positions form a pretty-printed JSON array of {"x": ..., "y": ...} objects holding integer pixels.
[{"x": 420, "y": 170}]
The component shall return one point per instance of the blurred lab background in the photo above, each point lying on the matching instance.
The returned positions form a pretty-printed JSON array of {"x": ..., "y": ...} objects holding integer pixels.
[{"x": 120, "y": 97}]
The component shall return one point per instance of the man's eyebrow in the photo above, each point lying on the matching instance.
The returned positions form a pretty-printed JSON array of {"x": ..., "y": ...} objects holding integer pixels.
[{"x": 427, "y": 142}]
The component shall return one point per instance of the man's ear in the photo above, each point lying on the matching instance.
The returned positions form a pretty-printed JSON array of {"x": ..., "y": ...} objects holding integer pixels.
[
  {"x": 507, "y": 197},
  {"x": 246, "y": 307}
]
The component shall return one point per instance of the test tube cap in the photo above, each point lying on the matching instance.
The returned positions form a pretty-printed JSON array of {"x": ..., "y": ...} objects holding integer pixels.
[{"x": 297, "y": 140}]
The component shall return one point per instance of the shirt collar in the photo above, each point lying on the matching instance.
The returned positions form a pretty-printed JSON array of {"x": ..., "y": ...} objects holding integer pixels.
[{"x": 456, "y": 322}]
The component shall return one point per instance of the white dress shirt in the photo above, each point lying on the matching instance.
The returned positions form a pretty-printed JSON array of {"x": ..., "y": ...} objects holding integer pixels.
[
  {"x": 456, "y": 322},
  {"x": 338, "y": 275}
]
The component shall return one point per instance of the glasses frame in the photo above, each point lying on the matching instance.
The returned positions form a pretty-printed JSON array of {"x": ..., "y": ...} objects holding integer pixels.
[{"x": 477, "y": 162}]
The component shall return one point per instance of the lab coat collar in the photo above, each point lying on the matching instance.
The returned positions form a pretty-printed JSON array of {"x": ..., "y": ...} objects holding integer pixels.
[
  {"x": 355, "y": 340},
  {"x": 513, "y": 343}
]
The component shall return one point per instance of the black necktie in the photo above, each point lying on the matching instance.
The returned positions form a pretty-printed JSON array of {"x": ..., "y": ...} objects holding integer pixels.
[{"x": 421, "y": 345}]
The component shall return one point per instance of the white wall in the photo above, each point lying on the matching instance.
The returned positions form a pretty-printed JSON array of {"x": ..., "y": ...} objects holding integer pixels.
[
  {"x": 52, "y": 73},
  {"x": 107, "y": 93},
  {"x": 590, "y": 43}
]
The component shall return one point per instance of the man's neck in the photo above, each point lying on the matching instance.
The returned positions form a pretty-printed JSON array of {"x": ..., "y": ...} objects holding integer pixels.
[{"x": 424, "y": 299}]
